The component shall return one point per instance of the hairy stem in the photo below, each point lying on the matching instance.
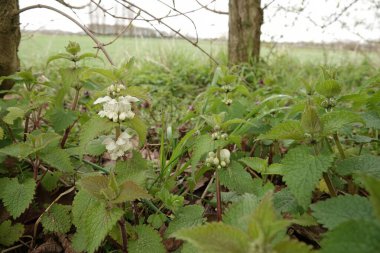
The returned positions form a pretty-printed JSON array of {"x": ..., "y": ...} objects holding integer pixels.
[
  {"x": 218, "y": 197},
  {"x": 123, "y": 234},
  {"x": 68, "y": 129},
  {"x": 339, "y": 146},
  {"x": 26, "y": 127},
  {"x": 329, "y": 184}
]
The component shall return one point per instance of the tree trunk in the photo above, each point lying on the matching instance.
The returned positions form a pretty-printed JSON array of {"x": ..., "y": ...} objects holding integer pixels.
[
  {"x": 9, "y": 40},
  {"x": 245, "y": 20}
]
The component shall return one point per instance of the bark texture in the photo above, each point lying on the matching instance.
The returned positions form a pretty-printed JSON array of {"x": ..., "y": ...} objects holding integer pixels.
[
  {"x": 245, "y": 20},
  {"x": 9, "y": 40}
]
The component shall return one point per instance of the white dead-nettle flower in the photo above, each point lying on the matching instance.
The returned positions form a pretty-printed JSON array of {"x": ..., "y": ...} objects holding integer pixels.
[
  {"x": 119, "y": 147},
  {"x": 117, "y": 109},
  {"x": 115, "y": 89},
  {"x": 219, "y": 161}
]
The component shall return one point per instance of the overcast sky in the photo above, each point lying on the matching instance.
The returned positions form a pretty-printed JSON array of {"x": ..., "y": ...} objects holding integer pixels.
[{"x": 361, "y": 20}]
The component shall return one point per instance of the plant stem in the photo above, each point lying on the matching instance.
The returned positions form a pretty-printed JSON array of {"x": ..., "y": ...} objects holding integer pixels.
[
  {"x": 339, "y": 146},
  {"x": 36, "y": 165},
  {"x": 26, "y": 126},
  {"x": 329, "y": 184},
  {"x": 123, "y": 234},
  {"x": 68, "y": 129},
  {"x": 218, "y": 196},
  {"x": 118, "y": 132}
]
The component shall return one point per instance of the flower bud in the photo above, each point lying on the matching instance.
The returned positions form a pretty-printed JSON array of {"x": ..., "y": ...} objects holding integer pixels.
[{"x": 216, "y": 161}]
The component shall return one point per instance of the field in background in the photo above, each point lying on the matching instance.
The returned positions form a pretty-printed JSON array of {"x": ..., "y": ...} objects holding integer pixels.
[{"x": 36, "y": 48}]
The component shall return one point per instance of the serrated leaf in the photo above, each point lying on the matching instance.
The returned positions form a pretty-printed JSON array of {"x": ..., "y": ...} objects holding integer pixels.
[
  {"x": 239, "y": 213},
  {"x": 186, "y": 217},
  {"x": 50, "y": 181},
  {"x": 93, "y": 219},
  {"x": 95, "y": 147},
  {"x": 92, "y": 129},
  {"x": 149, "y": 240},
  {"x": 310, "y": 121},
  {"x": 13, "y": 114},
  {"x": 17, "y": 197},
  {"x": 373, "y": 187},
  {"x": 372, "y": 119},
  {"x": 59, "y": 56},
  {"x": 19, "y": 150},
  {"x": 215, "y": 238},
  {"x": 264, "y": 224},
  {"x": 328, "y": 88},
  {"x": 365, "y": 164},
  {"x": 258, "y": 164},
  {"x": 57, "y": 219},
  {"x": 9, "y": 234},
  {"x": 285, "y": 202},
  {"x": 236, "y": 179},
  {"x": 332, "y": 212},
  {"x": 139, "y": 126},
  {"x": 353, "y": 237},
  {"x": 133, "y": 169},
  {"x": 302, "y": 172},
  {"x": 336, "y": 120},
  {"x": 289, "y": 130},
  {"x": 94, "y": 184},
  {"x": 130, "y": 191},
  {"x": 61, "y": 119},
  {"x": 57, "y": 158}
]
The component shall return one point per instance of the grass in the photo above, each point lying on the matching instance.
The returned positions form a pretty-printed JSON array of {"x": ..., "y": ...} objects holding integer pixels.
[{"x": 36, "y": 48}]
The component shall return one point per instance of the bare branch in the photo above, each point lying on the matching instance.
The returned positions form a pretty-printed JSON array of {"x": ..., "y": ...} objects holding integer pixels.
[
  {"x": 63, "y": 2},
  {"x": 212, "y": 10},
  {"x": 88, "y": 32}
]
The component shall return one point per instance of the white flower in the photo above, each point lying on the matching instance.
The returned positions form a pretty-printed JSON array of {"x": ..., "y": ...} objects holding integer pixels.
[
  {"x": 114, "y": 89},
  {"x": 119, "y": 147},
  {"x": 224, "y": 155},
  {"x": 116, "y": 109}
]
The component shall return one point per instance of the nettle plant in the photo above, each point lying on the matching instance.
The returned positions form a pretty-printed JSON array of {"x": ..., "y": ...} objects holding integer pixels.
[{"x": 254, "y": 169}]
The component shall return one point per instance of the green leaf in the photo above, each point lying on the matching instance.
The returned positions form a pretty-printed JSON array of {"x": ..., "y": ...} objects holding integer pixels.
[
  {"x": 139, "y": 126},
  {"x": 19, "y": 150},
  {"x": 285, "y": 202},
  {"x": 239, "y": 213},
  {"x": 292, "y": 246},
  {"x": 364, "y": 164},
  {"x": 130, "y": 191},
  {"x": 353, "y": 237},
  {"x": 258, "y": 164},
  {"x": 9, "y": 234},
  {"x": 336, "y": 120},
  {"x": 1, "y": 133},
  {"x": 57, "y": 158},
  {"x": 215, "y": 238},
  {"x": 310, "y": 121},
  {"x": 235, "y": 178},
  {"x": 264, "y": 225},
  {"x": 302, "y": 172},
  {"x": 17, "y": 197},
  {"x": 93, "y": 219},
  {"x": 288, "y": 130},
  {"x": 57, "y": 219},
  {"x": 373, "y": 187},
  {"x": 50, "y": 180},
  {"x": 134, "y": 169},
  {"x": 186, "y": 217},
  {"x": 95, "y": 147},
  {"x": 13, "y": 114},
  {"x": 328, "y": 88},
  {"x": 92, "y": 129},
  {"x": 372, "y": 119},
  {"x": 149, "y": 240},
  {"x": 61, "y": 119},
  {"x": 335, "y": 211},
  {"x": 203, "y": 144},
  {"x": 94, "y": 184},
  {"x": 59, "y": 56}
]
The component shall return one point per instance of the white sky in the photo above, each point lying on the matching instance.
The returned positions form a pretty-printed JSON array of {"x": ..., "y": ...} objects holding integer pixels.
[{"x": 362, "y": 20}]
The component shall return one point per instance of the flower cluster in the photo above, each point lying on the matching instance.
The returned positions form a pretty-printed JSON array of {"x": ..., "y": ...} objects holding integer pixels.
[
  {"x": 218, "y": 160},
  {"x": 115, "y": 89},
  {"x": 219, "y": 135},
  {"x": 117, "y": 109},
  {"x": 117, "y": 148},
  {"x": 227, "y": 101}
]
